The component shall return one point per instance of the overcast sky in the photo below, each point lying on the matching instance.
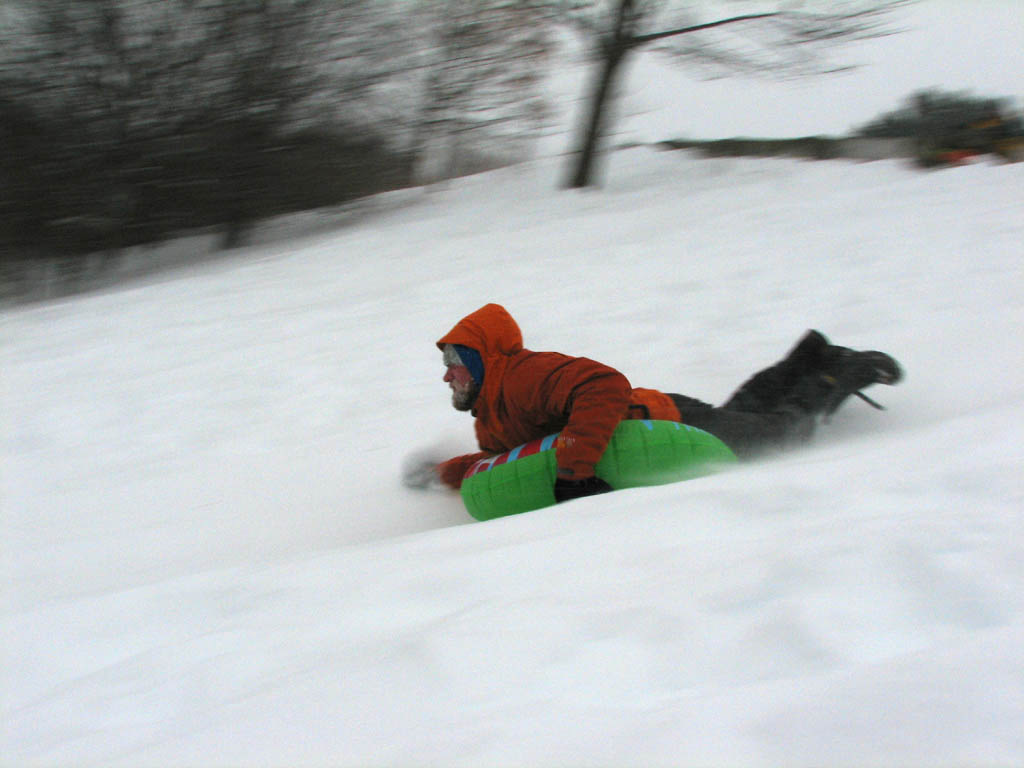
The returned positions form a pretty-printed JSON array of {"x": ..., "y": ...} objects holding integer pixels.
[{"x": 975, "y": 45}]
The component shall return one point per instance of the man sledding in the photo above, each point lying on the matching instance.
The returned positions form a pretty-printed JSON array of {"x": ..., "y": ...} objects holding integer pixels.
[{"x": 517, "y": 395}]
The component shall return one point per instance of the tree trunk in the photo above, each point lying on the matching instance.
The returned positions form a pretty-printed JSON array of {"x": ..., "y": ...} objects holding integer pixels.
[
  {"x": 583, "y": 171},
  {"x": 622, "y": 39}
]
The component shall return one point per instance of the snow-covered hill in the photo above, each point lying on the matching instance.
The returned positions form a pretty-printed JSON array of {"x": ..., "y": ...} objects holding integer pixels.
[{"x": 209, "y": 560}]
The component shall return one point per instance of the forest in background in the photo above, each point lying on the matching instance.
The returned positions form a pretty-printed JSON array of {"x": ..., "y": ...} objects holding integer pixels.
[{"x": 131, "y": 122}]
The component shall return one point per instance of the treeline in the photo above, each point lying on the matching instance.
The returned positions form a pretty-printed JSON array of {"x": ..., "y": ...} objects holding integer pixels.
[
  {"x": 932, "y": 128},
  {"x": 808, "y": 147},
  {"x": 947, "y": 126},
  {"x": 125, "y": 122}
]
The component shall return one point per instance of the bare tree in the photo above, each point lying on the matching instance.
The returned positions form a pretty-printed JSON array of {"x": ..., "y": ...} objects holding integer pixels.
[
  {"x": 780, "y": 37},
  {"x": 478, "y": 66},
  {"x": 156, "y": 115}
]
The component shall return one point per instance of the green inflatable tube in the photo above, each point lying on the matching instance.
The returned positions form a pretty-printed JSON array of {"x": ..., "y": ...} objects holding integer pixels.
[{"x": 641, "y": 452}]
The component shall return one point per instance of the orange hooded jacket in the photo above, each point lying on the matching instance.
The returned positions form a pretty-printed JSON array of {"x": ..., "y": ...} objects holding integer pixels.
[{"x": 528, "y": 395}]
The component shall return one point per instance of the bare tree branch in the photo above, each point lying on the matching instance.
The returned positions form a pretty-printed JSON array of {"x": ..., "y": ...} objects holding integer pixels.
[{"x": 639, "y": 40}]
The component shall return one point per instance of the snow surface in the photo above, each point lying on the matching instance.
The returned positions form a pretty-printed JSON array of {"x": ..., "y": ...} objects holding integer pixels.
[{"x": 209, "y": 559}]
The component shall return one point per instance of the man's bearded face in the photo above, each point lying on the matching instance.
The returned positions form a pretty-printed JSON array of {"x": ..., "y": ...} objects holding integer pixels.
[{"x": 464, "y": 388}]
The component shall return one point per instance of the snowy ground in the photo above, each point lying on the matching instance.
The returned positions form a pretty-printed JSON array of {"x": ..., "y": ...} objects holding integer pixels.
[{"x": 208, "y": 558}]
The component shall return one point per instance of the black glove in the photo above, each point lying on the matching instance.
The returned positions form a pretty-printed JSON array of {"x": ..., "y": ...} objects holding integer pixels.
[{"x": 566, "y": 490}]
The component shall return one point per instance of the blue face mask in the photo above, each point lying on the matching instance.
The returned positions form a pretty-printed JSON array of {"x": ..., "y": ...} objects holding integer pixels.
[
  {"x": 459, "y": 354},
  {"x": 472, "y": 360}
]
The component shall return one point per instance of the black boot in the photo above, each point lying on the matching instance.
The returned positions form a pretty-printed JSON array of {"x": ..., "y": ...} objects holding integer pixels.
[
  {"x": 848, "y": 371},
  {"x": 843, "y": 372}
]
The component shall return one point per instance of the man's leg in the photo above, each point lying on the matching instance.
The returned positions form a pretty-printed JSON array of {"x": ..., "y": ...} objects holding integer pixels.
[
  {"x": 766, "y": 390},
  {"x": 815, "y": 377},
  {"x": 757, "y": 418},
  {"x": 779, "y": 406},
  {"x": 748, "y": 434}
]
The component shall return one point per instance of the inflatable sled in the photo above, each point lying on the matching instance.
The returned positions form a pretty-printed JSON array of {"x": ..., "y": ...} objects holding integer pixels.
[{"x": 641, "y": 452}]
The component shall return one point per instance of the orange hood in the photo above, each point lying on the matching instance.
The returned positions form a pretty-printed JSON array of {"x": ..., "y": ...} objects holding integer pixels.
[{"x": 490, "y": 330}]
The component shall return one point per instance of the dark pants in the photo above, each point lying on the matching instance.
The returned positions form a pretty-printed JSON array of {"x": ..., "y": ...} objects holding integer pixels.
[
  {"x": 774, "y": 409},
  {"x": 748, "y": 434}
]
